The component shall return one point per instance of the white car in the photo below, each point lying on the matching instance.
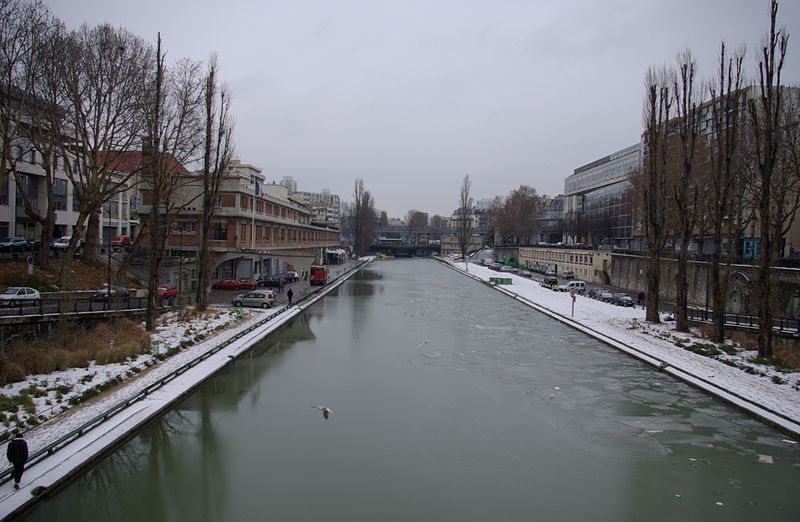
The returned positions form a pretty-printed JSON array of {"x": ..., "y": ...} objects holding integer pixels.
[{"x": 19, "y": 295}]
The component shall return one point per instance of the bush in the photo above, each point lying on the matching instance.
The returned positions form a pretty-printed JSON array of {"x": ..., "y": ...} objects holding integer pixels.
[
  {"x": 788, "y": 357},
  {"x": 71, "y": 346},
  {"x": 744, "y": 339}
]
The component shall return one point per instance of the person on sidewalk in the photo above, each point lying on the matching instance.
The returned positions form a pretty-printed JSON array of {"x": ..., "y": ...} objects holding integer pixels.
[
  {"x": 17, "y": 454},
  {"x": 290, "y": 294}
]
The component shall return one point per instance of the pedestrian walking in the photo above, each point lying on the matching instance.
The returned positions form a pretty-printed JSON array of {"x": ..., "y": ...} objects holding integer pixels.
[
  {"x": 290, "y": 294},
  {"x": 17, "y": 454}
]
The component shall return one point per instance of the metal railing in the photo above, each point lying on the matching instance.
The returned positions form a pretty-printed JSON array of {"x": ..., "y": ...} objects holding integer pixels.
[
  {"x": 780, "y": 324},
  {"x": 71, "y": 305}
]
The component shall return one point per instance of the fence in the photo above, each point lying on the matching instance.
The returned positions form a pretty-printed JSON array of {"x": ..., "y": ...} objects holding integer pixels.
[{"x": 780, "y": 324}]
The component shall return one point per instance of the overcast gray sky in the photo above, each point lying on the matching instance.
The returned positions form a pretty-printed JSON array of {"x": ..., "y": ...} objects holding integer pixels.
[{"x": 411, "y": 95}]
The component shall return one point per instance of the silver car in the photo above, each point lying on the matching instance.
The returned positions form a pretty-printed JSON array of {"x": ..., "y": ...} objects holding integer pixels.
[
  {"x": 19, "y": 295},
  {"x": 259, "y": 298}
]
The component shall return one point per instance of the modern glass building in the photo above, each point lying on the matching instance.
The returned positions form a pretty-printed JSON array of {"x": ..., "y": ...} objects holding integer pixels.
[{"x": 597, "y": 200}]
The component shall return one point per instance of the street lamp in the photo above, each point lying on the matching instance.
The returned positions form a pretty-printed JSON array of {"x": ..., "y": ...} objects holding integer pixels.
[{"x": 108, "y": 295}]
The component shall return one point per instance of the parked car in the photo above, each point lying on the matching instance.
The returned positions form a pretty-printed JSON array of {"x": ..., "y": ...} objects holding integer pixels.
[
  {"x": 623, "y": 300},
  {"x": 526, "y": 273},
  {"x": 116, "y": 292},
  {"x": 63, "y": 242},
  {"x": 121, "y": 241},
  {"x": 593, "y": 293},
  {"x": 233, "y": 284},
  {"x": 512, "y": 269},
  {"x": 259, "y": 298},
  {"x": 289, "y": 276},
  {"x": 496, "y": 267},
  {"x": 550, "y": 273},
  {"x": 18, "y": 295},
  {"x": 579, "y": 286},
  {"x": 605, "y": 296},
  {"x": 271, "y": 281},
  {"x": 167, "y": 291},
  {"x": 567, "y": 274},
  {"x": 550, "y": 281},
  {"x": 13, "y": 244}
]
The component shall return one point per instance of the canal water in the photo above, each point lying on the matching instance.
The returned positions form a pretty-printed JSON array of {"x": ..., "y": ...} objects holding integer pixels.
[{"x": 450, "y": 402}]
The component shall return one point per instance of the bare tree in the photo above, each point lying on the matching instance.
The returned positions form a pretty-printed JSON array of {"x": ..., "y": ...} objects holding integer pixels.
[
  {"x": 654, "y": 181},
  {"x": 363, "y": 217},
  {"x": 464, "y": 219},
  {"x": 217, "y": 153},
  {"x": 104, "y": 73},
  {"x": 35, "y": 114},
  {"x": 774, "y": 204},
  {"x": 721, "y": 150},
  {"x": 437, "y": 221},
  {"x": 684, "y": 187},
  {"x": 20, "y": 42},
  {"x": 416, "y": 221},
  {"x": 517, "y": 221},
  {"x": 174, "y": 138}
]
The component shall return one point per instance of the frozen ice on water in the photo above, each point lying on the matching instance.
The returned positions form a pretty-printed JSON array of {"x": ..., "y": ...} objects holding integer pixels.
[
  {"x": 789, "y": 441},
  {"x": 719, "y": 503},
  {"x": 765, "y": 459}
]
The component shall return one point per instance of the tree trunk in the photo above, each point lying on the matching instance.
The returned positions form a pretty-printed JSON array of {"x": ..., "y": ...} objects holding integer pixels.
[
  {"x": 652, "y": 283},
  {"x": 91, "y": 253},
  {"x": 681, "y": 290},
  {"x": 717, "y": 298},
  {"x": 66, "y": 263}
]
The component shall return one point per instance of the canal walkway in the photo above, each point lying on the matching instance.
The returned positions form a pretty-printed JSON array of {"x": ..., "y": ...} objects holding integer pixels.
[
  {"x": 764, "y": 391},
  {"x": 79, "y": 439}
]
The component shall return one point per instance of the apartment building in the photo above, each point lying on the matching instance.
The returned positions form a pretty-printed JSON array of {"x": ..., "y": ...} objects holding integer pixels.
[
  {"x": 257, "y": 229},
  {"x": 14, "y": 221}
]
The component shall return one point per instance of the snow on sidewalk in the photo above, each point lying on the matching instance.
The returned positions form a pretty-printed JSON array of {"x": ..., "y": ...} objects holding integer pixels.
[{"x": 774, "y": 389}]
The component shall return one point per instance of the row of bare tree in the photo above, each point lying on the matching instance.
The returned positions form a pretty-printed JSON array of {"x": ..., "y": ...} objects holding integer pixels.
[
  {"x": 82, "y": 100},
  {"x": 719, "y": 157}
]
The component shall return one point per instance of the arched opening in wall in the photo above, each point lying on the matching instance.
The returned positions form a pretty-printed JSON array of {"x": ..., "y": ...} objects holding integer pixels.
[{"x": 739, "y": 294}]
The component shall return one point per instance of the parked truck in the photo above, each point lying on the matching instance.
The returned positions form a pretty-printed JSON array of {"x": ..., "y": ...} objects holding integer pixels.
[{"x": 318, "y": 275}]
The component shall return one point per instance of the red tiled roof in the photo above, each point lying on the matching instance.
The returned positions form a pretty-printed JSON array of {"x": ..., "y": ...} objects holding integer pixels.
[{"x": 128, "y": 161}]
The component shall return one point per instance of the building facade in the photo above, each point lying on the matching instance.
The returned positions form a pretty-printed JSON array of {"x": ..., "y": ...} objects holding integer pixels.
[{"x": 597, "y": 200}]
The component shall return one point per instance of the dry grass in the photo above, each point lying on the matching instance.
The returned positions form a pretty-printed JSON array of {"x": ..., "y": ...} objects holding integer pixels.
[
  {"x": 787, "y": 356},
  {"x": 746, "y": 340},
  {"x": 73, "y": 347}
]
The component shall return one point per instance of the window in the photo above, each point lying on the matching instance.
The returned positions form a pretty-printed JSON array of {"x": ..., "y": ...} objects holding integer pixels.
[
  {"x": 76, "y": 199},
  {"x": 60, "y": 194},
  {"x": 4, "y": 197},
  {"x": 219, "y": 232},
  {"x": 55, "y": 162}
]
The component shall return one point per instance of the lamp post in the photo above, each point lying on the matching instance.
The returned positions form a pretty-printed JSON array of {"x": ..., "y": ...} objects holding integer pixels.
[
  {"x": 109, "y": 252},
  {"x": 180, "y": 261}
]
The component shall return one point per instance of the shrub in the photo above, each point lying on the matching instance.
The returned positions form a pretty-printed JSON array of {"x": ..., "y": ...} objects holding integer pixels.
[
  {"x": 788, "y": 357},
  {"x": 744, "y": 339}
]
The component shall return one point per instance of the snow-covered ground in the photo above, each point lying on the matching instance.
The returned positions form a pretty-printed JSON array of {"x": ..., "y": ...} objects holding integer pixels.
[
  {"x": 730, "y": 369},
  {"x": 57, "y": 392}
]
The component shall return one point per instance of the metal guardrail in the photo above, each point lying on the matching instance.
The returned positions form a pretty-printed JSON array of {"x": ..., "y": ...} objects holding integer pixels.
[
  {"x": 96, "y": 421},
  {"x": 780, "y": 324},
  {"x": 72, "y": 305}
]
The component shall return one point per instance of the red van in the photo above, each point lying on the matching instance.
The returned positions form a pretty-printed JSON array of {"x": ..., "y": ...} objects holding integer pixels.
[{"x": 318, "y": 275}]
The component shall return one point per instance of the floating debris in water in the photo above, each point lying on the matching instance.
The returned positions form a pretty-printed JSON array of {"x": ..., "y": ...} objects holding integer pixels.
[
  {"x": 765, "y": 459},
  {"x": 719, "y": 503},
  {"x": 677, "y": 495},
  {"x": 556, "y": 388},
  {"x": 789, "y": 441}
]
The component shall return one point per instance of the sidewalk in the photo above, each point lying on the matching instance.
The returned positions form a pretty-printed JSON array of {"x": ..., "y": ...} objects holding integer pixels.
[
  {"x": 769, "y": 394},
  {"x": 81, "y": 452}
]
